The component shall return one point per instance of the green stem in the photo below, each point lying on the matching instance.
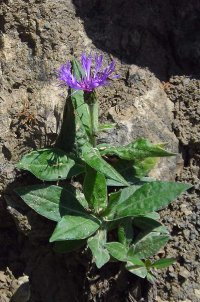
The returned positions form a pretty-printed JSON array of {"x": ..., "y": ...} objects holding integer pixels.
[
  {"x": 93, "y": 108},
  {"x": 91, "y": 100}
]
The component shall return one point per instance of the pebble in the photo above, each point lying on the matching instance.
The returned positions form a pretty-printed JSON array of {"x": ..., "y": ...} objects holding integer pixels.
[
  {"x": 186, "y": 233},
  {"x": 197, "y": 293},
  {"x": 22, "y": 291},
  {"x": 184, "y": 273}
]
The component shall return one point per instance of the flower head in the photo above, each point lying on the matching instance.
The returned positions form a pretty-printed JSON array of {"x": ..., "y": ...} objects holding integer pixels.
[{"x": 94, "y": 75}]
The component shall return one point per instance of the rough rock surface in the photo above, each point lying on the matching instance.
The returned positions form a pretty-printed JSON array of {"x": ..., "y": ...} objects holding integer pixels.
[
  {"x": 144, "y": 110},
  {"x": 151, "y": 42},
  {"x": 181, "y": 282}
]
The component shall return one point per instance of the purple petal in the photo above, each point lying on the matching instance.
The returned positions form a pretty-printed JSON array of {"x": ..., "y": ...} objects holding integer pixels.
[
  {"x": 99, "y": 61},
  {"x": 94, "y": 76}
]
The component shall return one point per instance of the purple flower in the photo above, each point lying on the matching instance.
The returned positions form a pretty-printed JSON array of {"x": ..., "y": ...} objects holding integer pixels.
[{"x": 93, "y": 74}]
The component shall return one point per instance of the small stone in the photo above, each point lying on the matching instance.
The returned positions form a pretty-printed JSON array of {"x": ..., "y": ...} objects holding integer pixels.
[
  {"x": 186, "y": 233},
  {"x": 22, "y": 290},
  {"x": 197, "y": 293},
  {"x": 3, "y": 298},
  {"x": 184, "y": 273},
  {"x": 93, "y": 289},
  {"x": 47, "y": 25}
]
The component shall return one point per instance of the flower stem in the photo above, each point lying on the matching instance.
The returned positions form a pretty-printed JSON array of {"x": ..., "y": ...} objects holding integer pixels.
[
  {"x": 94, "y": 122},
  {"x": 91, "y": 100}
]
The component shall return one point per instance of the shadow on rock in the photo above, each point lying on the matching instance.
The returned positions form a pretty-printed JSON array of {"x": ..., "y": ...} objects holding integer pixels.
[{"x": 160, "y": 35}]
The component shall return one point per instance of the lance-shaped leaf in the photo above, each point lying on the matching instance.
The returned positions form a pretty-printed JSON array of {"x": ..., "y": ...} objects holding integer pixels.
[
  {"x": 77, "y": 69},
  {"x": 98, "y": 248},
  {"x": 143, "y": 167},
  {"x": 117, "y": 250},
  {"x": 78, "y": 102},
  {"x": 82, "y": 110},
  {"x": 125, "y": 231},
  {"x": 91, "y": 100},
  {"x": 105, "y": 127},
  {"x": 51, "y": 202},
  {"x": 148, "y": 245},
  {"x": 66, "y": 137},
  {"x": 81, "y": 137},
  {"x": 92, "y": 157},
  {"x": 75, "y": 227},
  {"x": 151, "y": 278},
  {"x": 139, "y": 149},
  {"x": 88, "y": 114},
  {"x": 95, "y": 189},
  {"x": 119, "y": 197},
  {"x": 50, "y": 164},
  {"x": 152, "y": 215},
  {"x": 150, "y": 197},
  {"x": 77, "y": 194},
  {"x": 130, "y": 178},
  {"x": 147, "y": 224},
  {"x": 76, "y": 122},
  {"x": 137, "y": 269},
  {"x": 114, "y": 183},
  {"x": 163, "y": 263},
  {"x": 132, "y": 170},
  {"x": 121, "y": 252}
]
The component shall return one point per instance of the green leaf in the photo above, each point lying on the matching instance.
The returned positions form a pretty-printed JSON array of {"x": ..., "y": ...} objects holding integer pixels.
[
  {"x": 76, "y": 122},
  {"x": 77, "y": 69},
  {"x": 151, "y": 278},
  {"x": 152, "y": 215},
  {"x": 150, "y": 225},
  {"x": 73, "y": 134},
  {"x": 75, "y": 227},
  {"x": 139, "y": 149},
  {"x": 148, "y": 264},
  {"x": 135, "y": 260},
  {"x": 137, "y": 270},
  {"x": 97, "y": 245},
  {"x": 143, "y": 167},
  {"x": 68, "y": 245},
  {"x": 114, "y": 183},
  {"x": 105, "y": 127},
  {"x": 134, "y": 265},
  {"x": 163, "y": 263},
  {"x": 148, "y": 198},
  {"x": 131, "y": 179},
  {"x": 52, "y": 202},
  {"x": 88, "y": 114},
  {"x": 50, "y": 164},
  {"x": 74, "y": 130},
  {"x": 92, "y": 157},
  {"x": 112, "y": 225},
  {"x": 117, "y": 250},
  {"x": 125, "y": 231},
  {"x": 77, "y": 194},
  {"x": 95, "y": 189},
  {"x": 132, "y": 170},
  {"x": 66, "y": 137},
  {"x": 116, "y": 198},
  {"x": 82, "y": 110},
  {"x": 81, "y": 137},
  {"x": 76, "y": 127},
  {"x": 148, "y": 245}
]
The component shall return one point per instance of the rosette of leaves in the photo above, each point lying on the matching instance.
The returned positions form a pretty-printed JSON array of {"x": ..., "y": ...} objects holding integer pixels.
[{"x": 114, "y": 198}]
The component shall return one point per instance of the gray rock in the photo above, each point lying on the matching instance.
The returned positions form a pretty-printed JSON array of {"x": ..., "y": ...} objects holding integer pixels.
[{"x": 147, "y": 113}]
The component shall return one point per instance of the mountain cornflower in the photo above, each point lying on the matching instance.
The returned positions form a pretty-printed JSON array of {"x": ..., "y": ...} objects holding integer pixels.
[{"x": 94, "y": 75}]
